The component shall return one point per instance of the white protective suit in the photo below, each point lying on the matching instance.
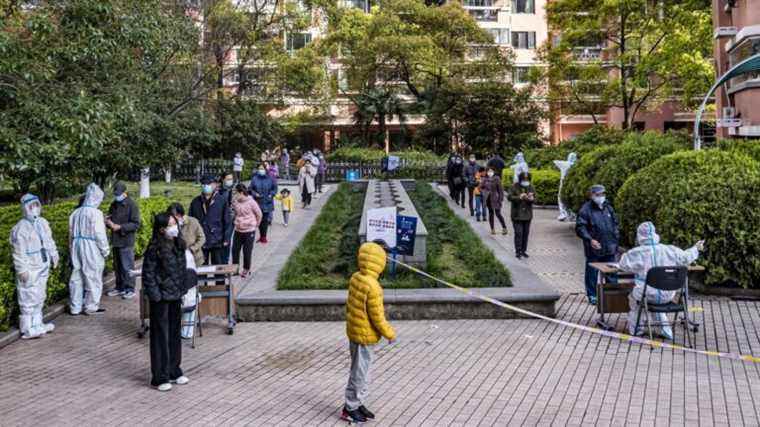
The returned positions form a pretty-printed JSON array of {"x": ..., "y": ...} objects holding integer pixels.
[
  {"x": 564, "y": 166},
  {"x": 188, "y": 300},
  {"x": 34, "y": 252},
  {"x": 519, "y": 166},
  {"x": 650, "y": 253},
  {"x": 89, "y": 250}
]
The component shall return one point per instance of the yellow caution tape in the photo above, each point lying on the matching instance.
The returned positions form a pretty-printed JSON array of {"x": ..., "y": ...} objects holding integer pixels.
[{"x": 611, "y": 334}]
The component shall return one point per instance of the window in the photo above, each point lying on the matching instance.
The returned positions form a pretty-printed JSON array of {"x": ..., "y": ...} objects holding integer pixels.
[
  {"x": 358, "y": 4},
  {"x": 520, "y": 74},
  {"x": 523, "y": 6},
  {"x": 500, "y": 35},
  {"x": 478, "y": 3},
  {"x": 489, "y": 15},
  {"x": 252, "y": 81},
  {"x": 297, "y": 41},
  {"x": 524, "y": 39},
  {"x": 747, "y": 48}
]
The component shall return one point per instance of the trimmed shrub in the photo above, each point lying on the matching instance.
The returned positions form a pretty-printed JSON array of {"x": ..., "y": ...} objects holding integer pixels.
[
  {"x": 748, "y": 147},
  {"x": 354, "y": 154},
  {"x": 58, "y": 216},
  {"x": 546, "y": 184},
  {"x": 611, "y": 165},
  {"x": 708, "y": 194},
  {"x": 580, "y": 177}
]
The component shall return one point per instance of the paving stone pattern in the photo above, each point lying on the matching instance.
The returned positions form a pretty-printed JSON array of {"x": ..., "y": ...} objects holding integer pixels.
[{"x": 94, "y": 371}]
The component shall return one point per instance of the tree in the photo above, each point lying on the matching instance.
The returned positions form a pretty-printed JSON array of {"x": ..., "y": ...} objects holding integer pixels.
[
  {"x": 653, "y": 51},
  {"x": 408, "y": 48},
  {"x": 379, "y": 104},
  {"x": 494, "y": 116}
]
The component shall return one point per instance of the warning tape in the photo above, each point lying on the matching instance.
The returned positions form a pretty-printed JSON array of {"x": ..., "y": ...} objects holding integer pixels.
[{"x": 611, "y": 334}]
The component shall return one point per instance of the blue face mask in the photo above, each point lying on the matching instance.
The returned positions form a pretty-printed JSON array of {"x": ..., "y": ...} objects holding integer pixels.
[
  {"x": 208, "y": 189},
  {"x": 261, "y": 172},
  {"x": 121, "y": 197},
  {"x": 525, "y": 183}
]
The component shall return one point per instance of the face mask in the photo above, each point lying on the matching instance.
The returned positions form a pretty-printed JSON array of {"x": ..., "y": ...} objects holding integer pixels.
[
  {"x": 490, "y": 174},
  {"x": 121, "y": 197},
  {"x": 261, "y": 172},
  {"x": 228, "y": 183},
  {"x": 35, "y": 212},
  {"x": 599, "y": 200},
  {"x": 208, "y": 189},
  {"x": 181, "y": 222},
  {"x": 525, "y": 183},
  {"x": 172, "y": 231},
  {"x": 472, "y": 161}
]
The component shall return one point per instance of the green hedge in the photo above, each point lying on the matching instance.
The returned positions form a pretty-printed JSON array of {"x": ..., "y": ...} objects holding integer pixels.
[
  {"x": 694, "y": 195},
  {"x": 326, "y": 257},
  {"x": 58, "y": 217},
  {"x": 544, "y": 157},
  {"x": 354, "y": 154},
  {"x": 546, "y": 184},
  {"x": 745, "y": 146},
  {"x": 611, "y": 165}
]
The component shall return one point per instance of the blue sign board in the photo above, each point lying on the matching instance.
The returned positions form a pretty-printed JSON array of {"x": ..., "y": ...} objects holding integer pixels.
[{"x": 406, "y": 228}]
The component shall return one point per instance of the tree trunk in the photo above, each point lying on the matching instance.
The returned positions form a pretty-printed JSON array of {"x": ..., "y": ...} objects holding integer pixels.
[{"x": 145, "y": 183}]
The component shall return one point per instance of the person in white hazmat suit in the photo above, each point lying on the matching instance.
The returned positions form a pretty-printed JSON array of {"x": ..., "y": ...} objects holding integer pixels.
[
  {"x": 519, "y": 166},
  {"x": 88, "y": 243},
  {"x": 639, "y": 260},
  {"x": 563, "y": 166},
  {"x": 34, "y": 253},
  {"x": 189, "y": 300}
]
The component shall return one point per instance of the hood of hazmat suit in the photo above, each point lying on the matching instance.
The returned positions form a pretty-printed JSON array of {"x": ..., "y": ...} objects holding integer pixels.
[
  {"x": 519, "y": 166},
  {"x": 89, "y": 250},
  {"x": 34, "y": 252},
  {"x": 639, "y": 260}
]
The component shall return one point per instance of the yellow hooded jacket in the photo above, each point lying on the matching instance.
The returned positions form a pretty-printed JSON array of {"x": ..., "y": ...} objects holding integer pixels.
[{"x": 365, "y": 314}]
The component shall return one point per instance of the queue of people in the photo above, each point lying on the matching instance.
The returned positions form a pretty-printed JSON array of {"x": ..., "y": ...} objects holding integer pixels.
[{"x": 484, "y": 190}]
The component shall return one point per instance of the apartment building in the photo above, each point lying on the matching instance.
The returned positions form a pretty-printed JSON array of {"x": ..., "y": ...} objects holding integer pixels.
[
  {"x": 519, "y": 24},
  {"x": 737, "y": 37}
]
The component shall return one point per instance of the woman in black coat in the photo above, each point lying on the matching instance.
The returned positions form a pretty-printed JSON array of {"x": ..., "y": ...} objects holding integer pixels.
[{"x": 165, "y": 282}]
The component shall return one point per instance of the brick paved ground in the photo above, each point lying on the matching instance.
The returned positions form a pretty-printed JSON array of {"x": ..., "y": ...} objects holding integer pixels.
[{"x": 94, "y": 371}]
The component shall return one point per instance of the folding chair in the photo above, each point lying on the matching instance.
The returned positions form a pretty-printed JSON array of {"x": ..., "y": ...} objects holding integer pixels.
[
  {"x": 196, "y": 320},
  {"x": 665, "y": 279}
]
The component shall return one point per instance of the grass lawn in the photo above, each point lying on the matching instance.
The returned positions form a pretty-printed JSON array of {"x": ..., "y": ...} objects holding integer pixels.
[
  {"x": 326, "y": 257},
  {"x": 179, "y": 191}
]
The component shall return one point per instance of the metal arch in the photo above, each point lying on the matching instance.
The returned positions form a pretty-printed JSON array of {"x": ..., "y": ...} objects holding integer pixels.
[{"x": 748, "y": 65}]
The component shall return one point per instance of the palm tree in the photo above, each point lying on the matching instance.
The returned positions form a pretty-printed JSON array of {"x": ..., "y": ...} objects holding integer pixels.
[{"x": 381, "y": 104}]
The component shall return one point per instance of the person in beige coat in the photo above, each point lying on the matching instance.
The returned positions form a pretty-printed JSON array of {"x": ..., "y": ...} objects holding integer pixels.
[
  {"x": 306, "y": 182},
  {"x": 191, "y": 231}
]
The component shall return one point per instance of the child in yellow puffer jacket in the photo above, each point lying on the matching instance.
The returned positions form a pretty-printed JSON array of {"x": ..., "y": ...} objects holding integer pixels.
[{"x": 365, "y": 325}]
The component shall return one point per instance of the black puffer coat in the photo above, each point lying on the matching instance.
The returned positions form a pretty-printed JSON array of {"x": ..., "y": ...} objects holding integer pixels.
[{"x": 164, "y": 275}]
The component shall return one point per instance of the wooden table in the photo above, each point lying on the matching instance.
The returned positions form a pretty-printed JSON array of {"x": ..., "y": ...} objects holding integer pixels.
[
  {"x": 218, "y": 300},
  {"x": 613, "y": 297}
]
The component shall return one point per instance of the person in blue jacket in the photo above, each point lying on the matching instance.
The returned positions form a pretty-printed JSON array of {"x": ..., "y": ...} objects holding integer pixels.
[
  {"x": 263, "y": 189},
  {"x": 213, "y": 212},
  {"x": 597, "y": 225}
]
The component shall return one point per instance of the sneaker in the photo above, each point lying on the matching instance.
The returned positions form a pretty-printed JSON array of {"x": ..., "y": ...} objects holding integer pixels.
[
  {"x": 353, "y": 416},
  {"x": 504, "y": 231},
  {"x": 263, "y": 240},
  {"x": 366, "y": 412},
  {"x": 525, "y": 254},
  {"x": 128, "y": 295},
  {"x": 244, "y": 274},
  {"x": 519, "y": 256},
  {"x": 493, "y": 231},
  {"x": 164, "y": 387},
  {"x": 115, "y": 293},
  {"x": 92, "y": 313},
  {"x": 286, "y": 225},
  {"x": 592, "y": 300},
  {"x": 181, "y": 380}
]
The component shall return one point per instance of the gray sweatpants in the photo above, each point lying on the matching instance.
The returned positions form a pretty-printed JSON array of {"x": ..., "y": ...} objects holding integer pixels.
[{"x": 358, "y": 380}]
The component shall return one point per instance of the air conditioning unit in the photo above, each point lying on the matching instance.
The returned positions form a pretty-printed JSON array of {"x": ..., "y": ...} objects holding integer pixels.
[{"x": 729, "y": 112}]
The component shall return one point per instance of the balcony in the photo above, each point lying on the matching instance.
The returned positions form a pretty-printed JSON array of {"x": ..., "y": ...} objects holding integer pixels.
[
  {"x": 479, "y": 4},
  {"x": 588, "y": 53}
]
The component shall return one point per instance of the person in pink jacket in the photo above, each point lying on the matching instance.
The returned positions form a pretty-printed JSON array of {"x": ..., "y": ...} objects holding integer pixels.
[{"x": 247, "y": 218}]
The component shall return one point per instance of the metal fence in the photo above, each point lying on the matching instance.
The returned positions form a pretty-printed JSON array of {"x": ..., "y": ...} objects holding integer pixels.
[{"x": 194, "y": 170}]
